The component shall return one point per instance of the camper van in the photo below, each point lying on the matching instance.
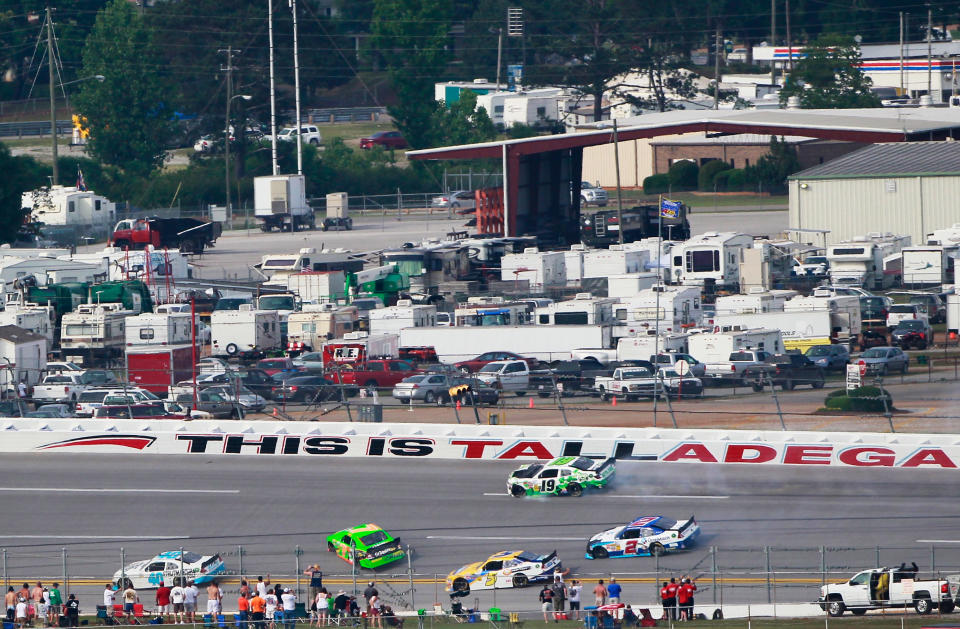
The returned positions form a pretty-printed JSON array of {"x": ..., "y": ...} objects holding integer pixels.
[
  {"x": 753, "y": 302},
  {"x": 673, "y": 307},
  {"x": 68, "y": 205},
  {"x": 928, "y": 266},
  {"x": 709, "y": 258},
  {"x": 94, "y": 333},
  {"x": 871, "y": 261}
]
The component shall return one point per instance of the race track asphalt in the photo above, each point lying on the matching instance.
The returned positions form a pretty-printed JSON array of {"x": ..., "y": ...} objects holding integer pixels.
[{"x": 451, "y": 513}]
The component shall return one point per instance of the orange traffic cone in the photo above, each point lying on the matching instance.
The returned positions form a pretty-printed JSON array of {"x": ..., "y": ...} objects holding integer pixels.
[
  {"x": 275, "y": 414},
  {"x": 458, "y": 405},
  {"x": 531, "y": 402},
  {"x": 614, "y": 402}
]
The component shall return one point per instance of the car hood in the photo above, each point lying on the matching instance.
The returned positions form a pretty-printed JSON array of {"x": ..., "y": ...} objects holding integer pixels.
[
  {"x": 608, "y": 535},
  {"x": 134, "y": 567}
]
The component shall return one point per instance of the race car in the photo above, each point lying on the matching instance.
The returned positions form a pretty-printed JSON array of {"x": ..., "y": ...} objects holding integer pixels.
[
  {"x": 166, "y": 568},
  {"x": 645, "y": 536},
  {"x": 374, "y": 547},
  {"x": 566, "y": 475},
  {"x": 506, "y": 569}
]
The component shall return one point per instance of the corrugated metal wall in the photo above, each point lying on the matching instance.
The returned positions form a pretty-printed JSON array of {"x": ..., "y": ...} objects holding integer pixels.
[{"x": 853, "y": 207}]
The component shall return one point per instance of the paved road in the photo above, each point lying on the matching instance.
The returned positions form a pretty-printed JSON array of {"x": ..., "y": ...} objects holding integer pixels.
[{"x": 451, "y": 513}]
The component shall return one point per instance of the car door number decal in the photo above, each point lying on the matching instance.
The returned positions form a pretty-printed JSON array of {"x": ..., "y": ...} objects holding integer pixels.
[
  {"x": 548, "y": 484},
  {"x": 491, "y": 580},
  {"x": 631, "y": 547}
]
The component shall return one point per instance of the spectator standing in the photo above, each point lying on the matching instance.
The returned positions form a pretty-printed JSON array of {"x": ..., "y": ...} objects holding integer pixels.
[
  {"x": 322, "y": 603},
  {"x": 546, "y": 602},
  {"x": 613, "y": 591},
  {"x": 56, "y": 603},
  {"x": 270, "y": 609},
  {"x": 559, "y": 596},
  {"x": 10, "y": 600},
  {"x": 130, "y": 599},
  {"x": 243, "y": 609},
  {"x": 688, "y": 587},
  {"x": 316, "y": 580},
  {"x": 190, "y": 595},
  {"x": 244, "y": 589},
  {"x": 257, "y": 608},
  {"x": 600, "y": 593},
  {"x": 262, "y": 586},
  {"x": 214, "y": 596},
  {"x": 573, "y": 597},
  {"x": 672, "y": 598},
  {"x": 289, "y": 600},
  {"x": 44, "y": 610},
  {"x": 176, "y": 597},
  {"x": 25, "y": 592},
  {"x": 664, "y": 597},
  {"x": 21, "y": 612},
  {"x": 374, "y": 613},
  {"x": 369, "y": 593},
  {"x": 36, "y": 596},
  {"x": 163, "y": 600},
  {"x": 73, "y": 610}
]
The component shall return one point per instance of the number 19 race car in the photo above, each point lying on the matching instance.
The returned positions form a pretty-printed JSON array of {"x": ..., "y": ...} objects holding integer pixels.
[
  {"x": 645, "y": 536},
  {"x": 506, "y": 569},
  {"x": 567, "y": 475},
  {"x": 166, "y": 568}
]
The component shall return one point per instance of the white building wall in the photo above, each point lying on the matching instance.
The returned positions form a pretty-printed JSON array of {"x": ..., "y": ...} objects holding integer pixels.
[{"x": 913, "y": 206}]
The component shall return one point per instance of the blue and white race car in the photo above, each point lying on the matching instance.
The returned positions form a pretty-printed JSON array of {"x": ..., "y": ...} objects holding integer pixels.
[
  {"x": 645, "y": 536},
  {"x": 167, "y": 568}
]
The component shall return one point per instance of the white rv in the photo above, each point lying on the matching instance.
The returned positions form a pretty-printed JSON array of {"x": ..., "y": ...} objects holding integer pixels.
[
  {"x": 800, "y": 329},
  {"x": 68, "y": 205},
  {"x": 159, "y": 329},
  {"x": 32, "y": 317},
  {"x": 754, "y": 301},
  {"x": 244, "y": 330},
  {"x": 309, "y": 329},
  {"x": 709, "y": 258},
  {"x": 948, "y": 237},
  {"x": 93, "y": 332},
  {"x": 871, "y": 261},
  {"x": 716, "y": 347},
  {"x": 617, "y": 260},
  {"x": 573, "y": 263},
  {"x": 658, "y": 254},
  {"x": 584, "y": 309},
  {"x": 673, "y": 307},
  {"x": 539, "y": 268},
  {"x": 845, "y": 321},
  {"x": 928, "y": 266},
  {"x": 282, "y": 265},
  {"x": 316, "y": 287},
  {"x": 405, "y": 314},
  {"x": 643, "y": 346}
]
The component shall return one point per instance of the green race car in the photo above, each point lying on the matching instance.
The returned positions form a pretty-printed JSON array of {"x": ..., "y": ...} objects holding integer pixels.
[
  {"x": 567, "y": 475},
  {"x": 374, "y": 547}
]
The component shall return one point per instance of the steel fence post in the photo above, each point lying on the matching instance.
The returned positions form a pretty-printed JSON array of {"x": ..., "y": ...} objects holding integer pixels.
[
  {"x": 123, "y": 575},
  {"x": 413, "y": 604},
  {"x": 933, "y": 559},
  {"x": 766, "y": 558},
  {"x": 296, "y": 557},
  {"x": 877, "y": 551},
  {"x": 240, "y": 560},
  {"x": 66, "y": 584},
  {"x": 823, "y": 566},
  {"x": 6, "y": 584},
  {"x": 713, "y": 572}
]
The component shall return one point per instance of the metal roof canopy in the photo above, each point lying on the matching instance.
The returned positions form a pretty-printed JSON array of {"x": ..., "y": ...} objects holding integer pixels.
[{"x": 854, "y": 125}]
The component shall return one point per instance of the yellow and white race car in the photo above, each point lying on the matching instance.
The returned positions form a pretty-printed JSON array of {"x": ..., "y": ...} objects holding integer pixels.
[{"x": 506, "y": 569}]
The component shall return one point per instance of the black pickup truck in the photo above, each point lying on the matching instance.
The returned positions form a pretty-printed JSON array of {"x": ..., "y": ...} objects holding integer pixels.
[
  {"x": 787, "y": 371},
  {"x": 571, "y": 377}
]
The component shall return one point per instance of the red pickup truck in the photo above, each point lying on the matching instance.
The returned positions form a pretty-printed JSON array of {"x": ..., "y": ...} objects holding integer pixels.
[{"x": 374, "y": 373}]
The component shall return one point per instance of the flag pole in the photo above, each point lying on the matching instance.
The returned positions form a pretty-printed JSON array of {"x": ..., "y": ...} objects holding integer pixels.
[{"x": 657, "y": 287}]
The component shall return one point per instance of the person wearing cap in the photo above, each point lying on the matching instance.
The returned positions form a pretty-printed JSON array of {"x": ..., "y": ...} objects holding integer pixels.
[
  {"x": 257, "y": 608},
  {"x": 289, "y": 601},
  {"x": 340, "y": 604},
  {"x": 73, "y": 610},
  {"x": 613, "y": 591}
]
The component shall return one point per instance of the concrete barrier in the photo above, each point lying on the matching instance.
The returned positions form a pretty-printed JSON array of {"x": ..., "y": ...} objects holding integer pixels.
[{"x": 479, "y": 442}]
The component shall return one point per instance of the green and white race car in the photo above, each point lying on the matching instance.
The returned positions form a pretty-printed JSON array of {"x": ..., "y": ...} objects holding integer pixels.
[{"x": 566, "y": 475}]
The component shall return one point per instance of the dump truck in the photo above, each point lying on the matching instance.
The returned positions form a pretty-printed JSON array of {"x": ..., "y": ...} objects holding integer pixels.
[{"x": 189, "y": 235}]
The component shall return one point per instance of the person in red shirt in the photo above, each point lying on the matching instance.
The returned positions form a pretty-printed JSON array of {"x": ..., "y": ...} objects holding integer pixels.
[
  {"x": 682, "y": 601},
  {"x": 672, "y": 598},
  {"x": 163, "y": 601},
  {"x": 688, "y": 587},
  {"x": 664, "y": 596},
  {"x": 243, "y": 608}
]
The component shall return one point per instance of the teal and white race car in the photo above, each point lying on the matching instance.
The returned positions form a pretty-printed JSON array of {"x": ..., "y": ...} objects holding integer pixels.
[{"x": 563, "y": 476}]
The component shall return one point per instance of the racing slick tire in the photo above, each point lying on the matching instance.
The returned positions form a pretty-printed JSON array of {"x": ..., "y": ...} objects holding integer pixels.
[
  {"x": 517, "y": 492},
  {"x": 858, "y": 612},
  {"x": 232, "y": 349},
  {"x": 836, "y": 608},
  {"x": 460, "y": 585},
  {"x": 575, "y": 490},
  {"x": 520, "y": 581},
  {"x": 429, "y": 398},
  {"x": 599, "y": 552},
  {"x": 923, "y": 605},
  {"x": 657, "y": 549}
]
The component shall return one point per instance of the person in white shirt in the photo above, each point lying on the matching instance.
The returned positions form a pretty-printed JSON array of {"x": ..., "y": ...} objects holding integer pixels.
[
  {"x": 108, "y": 599},
  {"x": 374, "y": 604},
  {"x": 21, "y": 614},
  {"x": 271, "y": 610},
  {"x": 190, "y": 594},
  {"x": 262, "y": 587},
  {"x": 176, "y": 597},
  {"x": 289, "y": 600}
]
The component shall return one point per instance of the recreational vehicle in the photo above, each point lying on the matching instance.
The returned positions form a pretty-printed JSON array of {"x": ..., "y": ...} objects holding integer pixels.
[{"x": 710, "y": 258}]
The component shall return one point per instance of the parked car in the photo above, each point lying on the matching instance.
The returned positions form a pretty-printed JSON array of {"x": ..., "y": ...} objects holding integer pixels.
[
  {"x": 899, "y": 312},
  {"x": 309, "y": 360},
  {"x": 932, "y": 306},
  {"x": 475, "y": 364},
  {"x": 425, "y": 387},
  {"x": 872, "y": 338},
  {"x": 310, "y": 134},
  {"x": 142, "y": 411},
  {"x": 592, "y": 195},
  {"x": 882, "y": 360},
  {"x": 792, "y": 370},
  {"x": 912, "y": 333},
  {"x": 53, "y": 411},
  {"x": 874, "y": 310},
  {"x": 249, "y": 401},
  {"x": 273, "y": 366},
  {"x": 213, "y": 402},
  {"x": 305, "y": 390},
  {"x": 459, "y": 201},
  {"x": 677, "y": 386},
  {"x": 828, "y": 357},
  {"x": 386, "y": 139}
]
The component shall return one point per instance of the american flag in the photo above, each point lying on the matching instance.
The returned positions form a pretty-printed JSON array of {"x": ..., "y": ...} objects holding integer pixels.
[{"x": 81, "y": 185}]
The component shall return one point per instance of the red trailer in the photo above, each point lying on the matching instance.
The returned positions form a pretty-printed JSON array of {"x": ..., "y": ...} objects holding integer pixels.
[{"x": 155, "y": 368}]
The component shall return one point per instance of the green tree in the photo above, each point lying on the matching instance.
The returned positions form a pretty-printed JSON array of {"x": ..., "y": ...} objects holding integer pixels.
[
  {"x": 129, "y": 118},
  {"x": 460, "y": 122},
  {"x": 20, "y": 173},
  {"x": 771, "y": 170},
  {"x": 829, "y": 77},
  {"x": 411, "y": 38}
]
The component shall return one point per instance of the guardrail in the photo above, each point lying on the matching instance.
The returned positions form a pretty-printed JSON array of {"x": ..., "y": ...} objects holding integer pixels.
[{"x": 33, "y": 129}]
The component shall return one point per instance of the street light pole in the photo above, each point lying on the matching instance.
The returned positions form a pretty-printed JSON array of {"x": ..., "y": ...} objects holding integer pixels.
[{"x": 53, "y": 99}]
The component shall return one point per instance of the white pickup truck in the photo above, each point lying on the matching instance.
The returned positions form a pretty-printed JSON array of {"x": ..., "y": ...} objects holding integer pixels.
[
  {"x": 64, "y": 387},
  {"x": 887, "y": 587},
  {"x": 627, "y": 383},
  {"x": 506, "y": 375},
  {"x": 736, "y": 367}
]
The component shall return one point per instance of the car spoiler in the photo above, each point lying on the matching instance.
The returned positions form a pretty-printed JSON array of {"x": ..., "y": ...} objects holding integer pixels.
[
  {"x": 691, "y": 522},
  {"x": 384, "y": 549},
  {"x": 610, "y": 463},
  {"x": 548, "y": 558}
]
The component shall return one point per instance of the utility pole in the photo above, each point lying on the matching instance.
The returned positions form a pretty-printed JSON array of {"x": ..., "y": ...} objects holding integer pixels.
[
  {"x": 273, "y": 93},
  {"x": 229, "y": 51},
  {"x": 930, "y": 53},
  {"x": 296, "y": 88},
  {"x": 53, "y": 98},
  {"x": 789, "y": 41},
  {"x": 901, "y": 54},
  {"x": 773, "y": 42},
  {"x": 716, "y": 74}
]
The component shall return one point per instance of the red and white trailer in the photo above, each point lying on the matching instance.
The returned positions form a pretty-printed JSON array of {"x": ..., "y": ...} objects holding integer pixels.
[{"x": 156, "y": 368}]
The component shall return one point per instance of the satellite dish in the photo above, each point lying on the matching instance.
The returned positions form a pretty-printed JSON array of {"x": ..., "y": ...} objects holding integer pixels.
[{"x": 682, "y": 367}]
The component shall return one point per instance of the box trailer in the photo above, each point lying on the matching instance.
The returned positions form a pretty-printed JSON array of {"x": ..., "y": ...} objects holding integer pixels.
[
  {"x": 156, "y": 369},
  {"x": 317, "y": 287},
  {"x": 617, "y": 260},
  {"x": 845, "y": 318},
  {"x": 540, "y": 268},
  {"x": 280, "y": 201},
  {"x": 358, "y": 347},
  {"x": 315, "y": 324},
  {"x": 800, "y": 330},
  {"x": 233, "y": 332},
  {"x": 716, "y": 347},
  {"x": 953, "y": 315},
  {"x": 928, "y": 266},
  {"x": 546, "y": 343},
  {"x": 405, "y": 314},
  {"x": 643, "y": 346},
  {"x": 159, "y": 329}
]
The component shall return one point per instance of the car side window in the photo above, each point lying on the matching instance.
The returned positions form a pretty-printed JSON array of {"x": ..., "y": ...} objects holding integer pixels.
[
  {"x": 548, "y": 473},
  {"x": 565, "y": 472},
  {"x": 156, "y": 566},
  {"x": 493, "y": 565},
  {"x": 631, "y": 534},
  {"x": 646, "y": 532}
]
